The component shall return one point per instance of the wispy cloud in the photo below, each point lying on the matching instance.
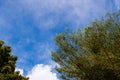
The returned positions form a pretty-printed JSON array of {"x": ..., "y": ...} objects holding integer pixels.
[
  {"x": 73, "y": 11},
  {"x": 117, "y": 2}
]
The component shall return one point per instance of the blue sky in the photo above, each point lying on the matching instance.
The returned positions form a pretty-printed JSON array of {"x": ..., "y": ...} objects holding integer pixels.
[{"x": 30, "y": 26}]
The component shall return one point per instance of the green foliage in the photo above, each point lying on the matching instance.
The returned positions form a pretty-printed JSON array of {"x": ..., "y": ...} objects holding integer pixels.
[
  {"x": 92, "y": 54},
  {"x": 7, "y": 64}
]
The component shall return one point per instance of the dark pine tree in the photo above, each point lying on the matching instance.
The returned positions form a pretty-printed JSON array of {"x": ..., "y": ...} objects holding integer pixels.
[{"x": 7, "y": 64}]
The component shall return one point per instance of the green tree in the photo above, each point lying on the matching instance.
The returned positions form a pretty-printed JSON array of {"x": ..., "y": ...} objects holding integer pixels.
[
  {"x": 7, "y": 64},
  {"x": 92, "y": 54}
]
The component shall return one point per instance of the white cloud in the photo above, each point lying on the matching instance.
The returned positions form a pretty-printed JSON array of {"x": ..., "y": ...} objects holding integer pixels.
[
  {"x": 21, "y": 70},
  {"x": 41, "y": 72}
]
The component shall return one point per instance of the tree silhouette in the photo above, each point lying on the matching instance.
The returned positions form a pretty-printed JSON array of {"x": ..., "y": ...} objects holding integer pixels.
[{"x": 7, "y": 64}]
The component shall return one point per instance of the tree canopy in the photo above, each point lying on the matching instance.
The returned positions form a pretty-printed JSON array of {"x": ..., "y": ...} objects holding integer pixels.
[
  {"x": 92, "y": 53},
  {"x": 7, "y": 64}
]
